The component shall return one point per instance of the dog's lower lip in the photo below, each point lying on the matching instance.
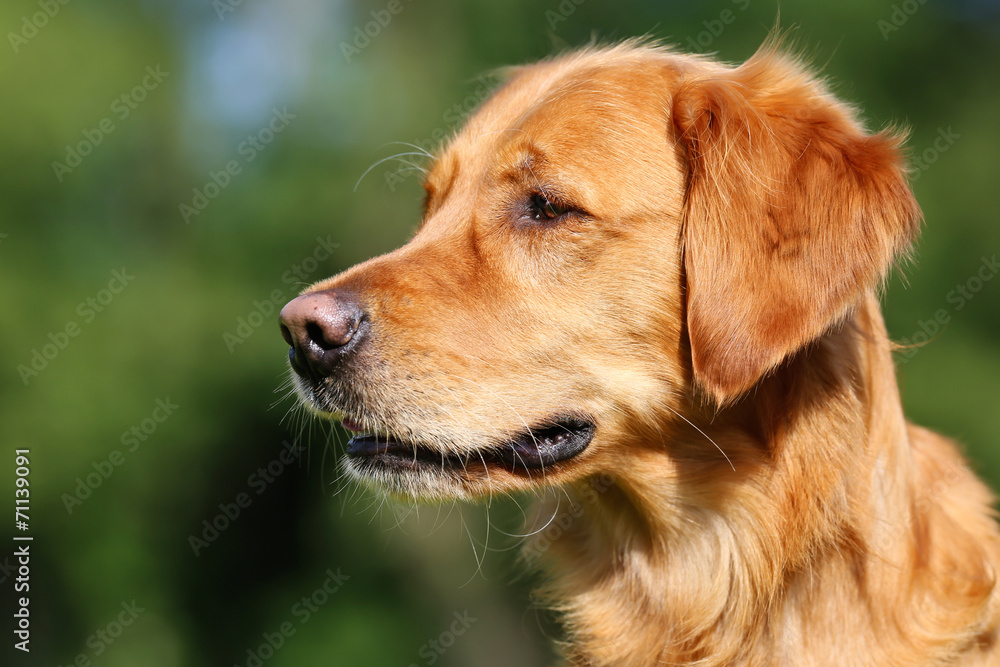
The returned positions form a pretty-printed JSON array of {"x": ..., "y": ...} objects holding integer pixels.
[
  {"x": 551, "y": 442},
  {"x": 385, "y": 450},
  {"x": 558, "y": 440},
  {"x": 369, "y": 444}
]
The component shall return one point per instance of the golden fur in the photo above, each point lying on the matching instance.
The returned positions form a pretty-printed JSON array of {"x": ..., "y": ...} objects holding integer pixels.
[{"x": 705, "y": 294}]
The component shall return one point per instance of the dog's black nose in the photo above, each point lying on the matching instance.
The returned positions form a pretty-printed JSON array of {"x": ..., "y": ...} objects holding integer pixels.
[{"x": 322, "y": 328}]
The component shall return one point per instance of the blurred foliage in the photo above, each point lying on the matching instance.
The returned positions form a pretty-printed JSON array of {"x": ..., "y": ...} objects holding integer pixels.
[{"x": 227, "y": 66}]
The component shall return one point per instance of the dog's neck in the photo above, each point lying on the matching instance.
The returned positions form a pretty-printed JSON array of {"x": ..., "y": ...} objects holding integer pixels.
[{"x": 683, "y": 557}]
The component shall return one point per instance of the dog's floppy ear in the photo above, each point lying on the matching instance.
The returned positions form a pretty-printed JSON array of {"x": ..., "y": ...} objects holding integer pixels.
[{"x": 792, "y": 213}]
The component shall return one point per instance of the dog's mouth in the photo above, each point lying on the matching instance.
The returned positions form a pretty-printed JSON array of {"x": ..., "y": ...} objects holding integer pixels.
[{"x": 533, "y": 449}]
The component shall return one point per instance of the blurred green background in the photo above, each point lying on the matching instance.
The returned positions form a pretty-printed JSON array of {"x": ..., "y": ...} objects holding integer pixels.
[{"x": 149, "y": 398}]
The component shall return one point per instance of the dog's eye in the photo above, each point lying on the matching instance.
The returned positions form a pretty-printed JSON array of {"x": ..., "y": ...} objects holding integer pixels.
[{"x": 544, "y": 209}]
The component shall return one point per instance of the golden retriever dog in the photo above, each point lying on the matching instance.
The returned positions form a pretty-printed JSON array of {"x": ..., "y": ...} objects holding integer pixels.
[{"x": 660, "y": 271}]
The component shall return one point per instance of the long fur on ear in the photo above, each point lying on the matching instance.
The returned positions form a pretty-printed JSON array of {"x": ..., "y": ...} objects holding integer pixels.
[{"x": 792, "y": 213}]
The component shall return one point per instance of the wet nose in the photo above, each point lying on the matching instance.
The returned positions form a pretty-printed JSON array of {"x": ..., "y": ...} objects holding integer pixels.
[{"x": 322, "y": 328}]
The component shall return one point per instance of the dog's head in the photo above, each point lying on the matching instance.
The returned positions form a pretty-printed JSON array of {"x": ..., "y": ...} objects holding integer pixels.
[{"x": 615, "y": 237}]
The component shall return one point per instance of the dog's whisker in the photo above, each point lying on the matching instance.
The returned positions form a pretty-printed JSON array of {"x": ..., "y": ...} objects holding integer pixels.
[
  {"x": 409, "y": 166},
  {"x": 480, "y": 559},
  {"x": 707, "y": 437},
  {"x": 382, "y": 161},
  {"x": 421, "y": 150}
]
